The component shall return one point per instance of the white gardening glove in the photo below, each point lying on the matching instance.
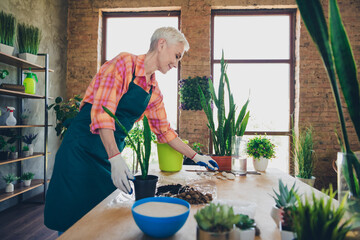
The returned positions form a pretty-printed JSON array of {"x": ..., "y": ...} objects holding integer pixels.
[
  {"x": 121, "y": 174},
  {"x": 205, "y": 161}
]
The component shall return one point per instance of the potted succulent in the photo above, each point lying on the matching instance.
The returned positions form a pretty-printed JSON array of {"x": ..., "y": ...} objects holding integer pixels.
[
  {"x": 9, "y": 179},
  {"x": 246, "y": 225},
  {"x": 28, "y": 40},
  {"x": 7, "y": 33},
  {"x": 228, "y": 126},
  {"x": 27, "y": 177},
  {"x": 336, "y": 52},
  {"x": 261, "y": 150},
  {"x": 13, "y": 153},
  {"x": 284, "y": 199},
  {"x": 24, "y": 116},
  {"x": 303, "y": 153},
  {"x": 28, "y": 139},
  {"x": 3, "y": 154},
  {"x": 145, "y": 185},
  {"x": 65, "y": 112},
  {"x": 25, "y": 151},
  {"x": 216, "y": 221}
]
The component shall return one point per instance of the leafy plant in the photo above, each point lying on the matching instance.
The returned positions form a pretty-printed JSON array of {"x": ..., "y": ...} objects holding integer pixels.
[
  {"x": 25, "y": 148},
  {"x": 65, "y": 113},
  {"x": 10, "y": 178},
  {"x": 318, "y": 219},
  {"x": 137, "y": 135},
  {"x": 12, "y": 149},
  {"x": 28, "y": 139},
  {"x": 260, "y": 147},
  {"x": 142, "y": 148},
  {"x": 7, "y": 28},
  {"x": 3, "y": 143},
  {"x": 3, "y": 73},
  {"x": 11, "y": 136},
  {"x": 27, "y": 176},
  {"x": 216, "y": 218},
  {"x": 245, "y": 222},
  {"x": 197, "y": 147},
  {"x": 336, "y": 53},
  {"x": 25, "y": 114},
  {"x": 28, "y": 38},
  {"x": 228, "y": 126},
  {"x": 189, "y": 95},
  {"x": 303, "y": 152},
  {"x": 285, "y": 197}
]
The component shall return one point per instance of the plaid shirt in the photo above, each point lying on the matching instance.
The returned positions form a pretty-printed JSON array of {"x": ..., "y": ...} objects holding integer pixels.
[{"x": 112, "y": 82}]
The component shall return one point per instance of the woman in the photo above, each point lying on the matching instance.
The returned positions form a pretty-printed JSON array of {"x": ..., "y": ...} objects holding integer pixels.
[{"x": 92, "y": 145}]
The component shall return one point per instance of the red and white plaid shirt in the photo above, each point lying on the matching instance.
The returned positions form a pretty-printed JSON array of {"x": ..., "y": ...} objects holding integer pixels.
[{"x": 112, "y": 82}]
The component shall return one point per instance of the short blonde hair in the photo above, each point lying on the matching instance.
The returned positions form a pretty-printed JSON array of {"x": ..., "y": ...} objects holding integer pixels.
[{"x": 171, "y": 35}]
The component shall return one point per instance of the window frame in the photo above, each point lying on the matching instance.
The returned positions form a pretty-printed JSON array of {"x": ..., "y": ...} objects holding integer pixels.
[{"x": 291, "y": 61}]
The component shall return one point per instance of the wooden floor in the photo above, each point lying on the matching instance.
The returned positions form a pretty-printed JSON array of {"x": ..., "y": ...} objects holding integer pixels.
[{"x": 24, "y": 222}]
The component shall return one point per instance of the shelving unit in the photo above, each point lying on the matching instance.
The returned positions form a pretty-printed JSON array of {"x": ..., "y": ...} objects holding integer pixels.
[{"x": 22, "y": 65}]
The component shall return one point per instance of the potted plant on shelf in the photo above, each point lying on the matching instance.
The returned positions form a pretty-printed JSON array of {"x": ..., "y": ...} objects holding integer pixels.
[
  {"x": 303, "y": 153},
  {"x": 7, "y": 33},
  {"x": 25, "y": 151},
  {"x": 246, "y": 225},
  {"x": 28, "y": 40},
  {"x": 229, "y": 125},
  {"x": 336, "y": 52},
  {"x": 24, "y": 116},
  {"x": 145, "y": 185},
  {"x": 3, "y": 154},
  {"x": 261, "y": 150},
  {"x": 13, "y": 153},
  {"x": 27, "y": 177},
  {"x": 9, "y": 179},
  {"x": 216, "y": 221},
  {"x": 284, "y": 199},
  {"x": 28, "y": 139},
  {"x": 65, "y": 112}
]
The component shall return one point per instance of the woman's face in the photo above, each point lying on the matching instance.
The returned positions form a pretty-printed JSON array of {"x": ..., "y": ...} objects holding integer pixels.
[{"x": 169, "y": 55}]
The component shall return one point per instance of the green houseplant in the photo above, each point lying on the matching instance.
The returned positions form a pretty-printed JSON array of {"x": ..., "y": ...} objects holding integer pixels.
[
  {"x": 189, "y": 95},
  {"x": 216, "y": 220},
  {"x": 27, "y": 177},
  {"x": 9, "y": 179},
  {"x": 7, "y": 33},
  {"x": 28, "y": 139},
  {"x": 3, "y": 154},
  {"x": 261, "y": 149},
  {"x": 336, "y": 52},
  {"x": 29, "y": 40},
  {"x": 246, "y": 225},
  {"x": 65, "y": 112},
  {"x": 228, "y": 125},
  {"x": 13, "y": 153},
  {"x": 303, "y": 153},
  {"x": 144, "y": 184},
  {"x": 25, "y": 151}
]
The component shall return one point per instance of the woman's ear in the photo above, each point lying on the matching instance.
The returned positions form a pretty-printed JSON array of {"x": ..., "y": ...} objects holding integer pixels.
[{"x": 161, "y": 43}]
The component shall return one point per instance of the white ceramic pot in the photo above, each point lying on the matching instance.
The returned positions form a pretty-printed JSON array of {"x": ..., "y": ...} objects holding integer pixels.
[
  {"x": 203, "y": 235},
  {"x": 26, "y": 153},
  {"x": 260, "y": 164},
  {"x": 28, "y": 57},
  {"x": 31, "y": 149},
  {"x": 248, "y": 234},
  {"x": 286, "y": 235},
  {"x": 309, "y": 181},
  {"x": 14, "y": 155},
  {"x": 27, "y": 183},
  {"x": 9, "y": 187},
  {"x": 6, "y": 49},
  {"x": 276, "y": 214}
]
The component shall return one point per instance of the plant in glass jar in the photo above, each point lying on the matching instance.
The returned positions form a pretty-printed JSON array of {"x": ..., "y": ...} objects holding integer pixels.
[{"x": 261, "y": 149}]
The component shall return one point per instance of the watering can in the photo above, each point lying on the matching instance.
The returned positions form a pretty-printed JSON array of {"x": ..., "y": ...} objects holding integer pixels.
[{"x": 29, "y": 82}]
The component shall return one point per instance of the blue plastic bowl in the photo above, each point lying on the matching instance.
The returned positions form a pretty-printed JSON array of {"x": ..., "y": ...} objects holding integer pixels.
[{"x": 160, "y": 227}]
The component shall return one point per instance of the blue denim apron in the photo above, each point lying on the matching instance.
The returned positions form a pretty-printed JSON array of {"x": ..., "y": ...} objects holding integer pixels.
[{"x": 82, "y": 173}]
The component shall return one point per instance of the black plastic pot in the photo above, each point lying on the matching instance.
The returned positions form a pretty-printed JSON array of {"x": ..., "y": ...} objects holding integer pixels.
[
  {"x": 145, "y": 187},
  {"x": 4, "y": 155}
]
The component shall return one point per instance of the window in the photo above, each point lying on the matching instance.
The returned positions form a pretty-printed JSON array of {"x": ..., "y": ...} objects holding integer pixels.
[
  {"x": 131, "y": 32},
  {"x": 259, "y": 51}
]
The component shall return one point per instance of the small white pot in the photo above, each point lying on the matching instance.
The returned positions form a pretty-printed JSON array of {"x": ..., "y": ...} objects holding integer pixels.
[
  {"x": 260, "y": 164},
  {"x": 31, "y": 149},
  {"x": 27, "y": 183},
  {"x": 28, "y": 57},
  {"x": 248, "y": 234},
  {"x": 276, "y": 214},
  {"x": 286, "y": 235},
  {"x": 26, "y": 153},
  {"x": 203, "y": 235},
  {"x": 309, "y": 181},
  {"x": 9, "y": 50},
  {"x": 9, "y": 187},
  {"x": 14, "y": 155}
]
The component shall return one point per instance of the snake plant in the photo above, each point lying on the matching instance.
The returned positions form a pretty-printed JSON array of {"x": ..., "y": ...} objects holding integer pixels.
[
  {"x": 335, "y": 50},
  {"x": 230, "y": 125},
  {"x": 142, "y": 148}
]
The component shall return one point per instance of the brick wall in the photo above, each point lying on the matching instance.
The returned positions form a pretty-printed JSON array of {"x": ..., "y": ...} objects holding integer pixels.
[{"x": 314, "y": 103}]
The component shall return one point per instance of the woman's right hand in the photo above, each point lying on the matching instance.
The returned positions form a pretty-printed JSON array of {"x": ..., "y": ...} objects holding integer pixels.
[{"x": 121, "y": 174}]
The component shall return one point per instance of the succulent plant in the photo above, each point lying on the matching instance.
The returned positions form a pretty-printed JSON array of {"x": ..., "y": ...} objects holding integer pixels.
[
  {"x": 28, "y": 139},
  {"x": 27, "y": 176},
  {"x": 285, "y": 197},
  {"x": 216, "y": 218},
  {"x": 10, "y": 178},
  {"x": 245, "y": 222}
]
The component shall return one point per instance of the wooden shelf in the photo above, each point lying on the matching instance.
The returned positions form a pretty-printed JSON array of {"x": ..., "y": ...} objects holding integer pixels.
[
  {"x": 20, "y": 63},
  {"x": 19, "y": 188},
  {"x": 35, "y": 155},
  {"x": 21, "y": 94},
  {"x": 24, "y": 126}
]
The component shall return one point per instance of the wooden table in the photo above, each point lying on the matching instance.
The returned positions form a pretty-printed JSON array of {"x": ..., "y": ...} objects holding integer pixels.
[{"x": 104, "y": 222}]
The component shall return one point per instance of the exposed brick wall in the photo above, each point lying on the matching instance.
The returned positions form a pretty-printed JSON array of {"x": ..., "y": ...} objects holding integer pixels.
[{"x": 314, "y": 103}]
